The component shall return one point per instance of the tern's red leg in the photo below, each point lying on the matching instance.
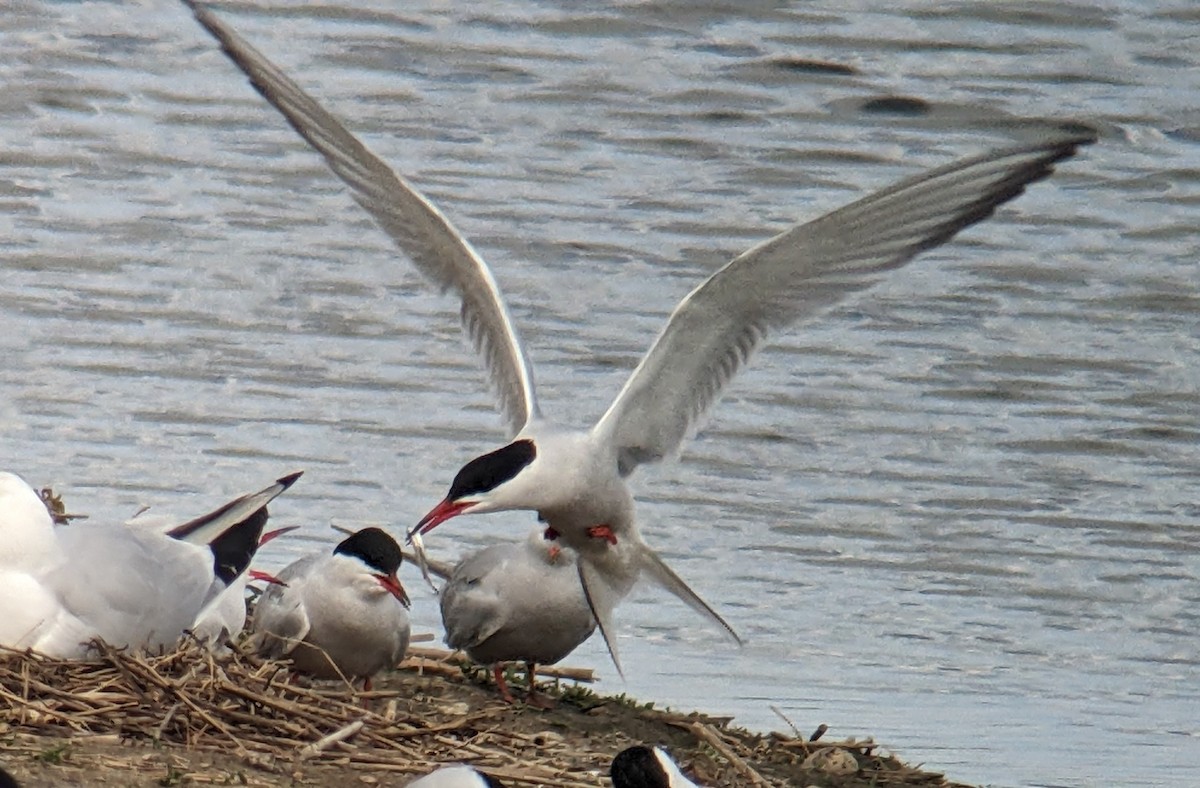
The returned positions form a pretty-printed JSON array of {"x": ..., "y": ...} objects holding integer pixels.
[
  {"x": 534, "y": 698},
  {"x": 602, "y": 532},
  {"x": 501, "y": 684}
]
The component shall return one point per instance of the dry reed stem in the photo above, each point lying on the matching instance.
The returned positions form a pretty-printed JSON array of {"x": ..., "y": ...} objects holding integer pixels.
[
  {"x": 709, "y": 736},
  {"x": 189, "y": 697}
]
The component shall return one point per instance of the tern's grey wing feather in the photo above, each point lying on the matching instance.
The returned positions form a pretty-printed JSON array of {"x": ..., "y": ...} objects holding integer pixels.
[
  {"x": 205, "y": 528},
  {"x": 280, "y": 619},
  {"x": 718, "y": 327},
  {"x": 472, "y": 611},
  {"x": 416, "y": 226}
]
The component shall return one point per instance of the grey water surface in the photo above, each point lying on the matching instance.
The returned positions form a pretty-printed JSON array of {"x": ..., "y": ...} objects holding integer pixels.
[{"x": 959, "y": 513}]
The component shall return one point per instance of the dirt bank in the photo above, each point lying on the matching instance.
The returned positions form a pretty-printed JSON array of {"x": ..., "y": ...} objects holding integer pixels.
[{"x": 187, "y": 718}]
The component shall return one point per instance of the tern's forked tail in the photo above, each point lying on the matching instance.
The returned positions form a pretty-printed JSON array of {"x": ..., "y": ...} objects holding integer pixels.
[
  {"x": 665, "y": 577},
  {"x": 602, "y": 598}
]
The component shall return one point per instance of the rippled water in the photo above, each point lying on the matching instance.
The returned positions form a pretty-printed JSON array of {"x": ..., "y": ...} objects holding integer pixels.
[{"x": 958, "y": 513}]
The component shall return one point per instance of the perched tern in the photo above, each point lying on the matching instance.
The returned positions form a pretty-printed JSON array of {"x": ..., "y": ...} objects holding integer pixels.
[
  {"x": 456, "y": 777},
  {"x": 575, "y": 479},
  {"x": 140, "y": 588},
  {"x": 515, "y": 602},
  {"x": 647, "y": 767},
  {"x": 337, "y": 615}
]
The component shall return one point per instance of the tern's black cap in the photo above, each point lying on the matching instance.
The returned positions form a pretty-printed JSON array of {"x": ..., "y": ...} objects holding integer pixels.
[
  {"x": 491, "y": 470},
  {"x": 374, "y": 547},
  {"x": 638, "y": 767}
]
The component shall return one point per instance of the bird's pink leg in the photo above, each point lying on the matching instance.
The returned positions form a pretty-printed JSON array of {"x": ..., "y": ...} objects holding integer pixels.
[
  {"x": 534, "y": 698},
  {"x": 501, "y": 684}
]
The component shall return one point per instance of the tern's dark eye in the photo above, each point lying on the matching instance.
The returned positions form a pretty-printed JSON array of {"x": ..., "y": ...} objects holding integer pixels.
[
  {"x": 374, "y": 548},
  {"x": 488, "y": 472}
]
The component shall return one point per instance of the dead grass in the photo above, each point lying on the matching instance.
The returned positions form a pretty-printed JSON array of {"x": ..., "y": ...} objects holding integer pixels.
[{"x": 188, "y": 717}]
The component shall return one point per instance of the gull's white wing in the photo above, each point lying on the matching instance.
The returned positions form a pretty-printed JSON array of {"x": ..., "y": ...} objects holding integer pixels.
[
  {"x": 416, "y": 226},
  {"x": 718, "y": 327}
]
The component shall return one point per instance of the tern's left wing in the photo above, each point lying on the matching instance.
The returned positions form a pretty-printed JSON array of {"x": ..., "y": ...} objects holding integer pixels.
[
  {"x": 718, "y": 327},
  {"x": 415, "y": 224}
]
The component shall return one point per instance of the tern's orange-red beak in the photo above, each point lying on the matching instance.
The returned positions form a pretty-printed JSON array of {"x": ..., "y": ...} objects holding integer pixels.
[
  {"x": 278, "y": 532},
  {"x": 265, "y": 577},
  {"x": 392, "y": 584},
  {"x": 438, "y": 515}
]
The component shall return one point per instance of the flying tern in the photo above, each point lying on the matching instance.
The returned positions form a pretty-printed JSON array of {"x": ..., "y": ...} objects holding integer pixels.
[
  {"x": 576, "y": 480},
  {"x": 341, "y": 614},
  {"x": 515, "y": 602},
  {"x": 141, "y": 588}
]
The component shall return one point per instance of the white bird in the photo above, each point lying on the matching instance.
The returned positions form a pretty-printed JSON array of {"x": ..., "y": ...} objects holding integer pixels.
[
  {"x": 137, "y": 588},
  {"x": 515, "y": 602},
  {"x": 456, "y": 777},
  {"x": 647, "y": 767},
  {"x": 576, "y": 479},
  {"x": 342, "y": 614}
]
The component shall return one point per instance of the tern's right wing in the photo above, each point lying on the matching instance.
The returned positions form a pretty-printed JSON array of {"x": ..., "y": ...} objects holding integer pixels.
[
  {"x": 715, "y": 330},
  {"x": 416, "y": 226}
]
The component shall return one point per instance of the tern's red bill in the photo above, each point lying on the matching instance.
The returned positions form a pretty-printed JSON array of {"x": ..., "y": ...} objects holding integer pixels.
[
  {"x": 438, "y": 515},
  {"x": 392, "y": 584}
]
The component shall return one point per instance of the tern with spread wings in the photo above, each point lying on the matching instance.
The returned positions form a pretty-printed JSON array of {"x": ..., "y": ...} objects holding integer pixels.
[{"x": 576, "y": 480}]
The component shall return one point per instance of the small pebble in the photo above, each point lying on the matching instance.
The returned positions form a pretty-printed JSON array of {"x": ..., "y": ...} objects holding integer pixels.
[{"x": 831, "y": 760}]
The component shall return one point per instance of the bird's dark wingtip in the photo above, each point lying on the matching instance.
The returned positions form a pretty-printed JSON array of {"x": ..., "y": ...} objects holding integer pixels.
[{"x": 290, "y": 479}]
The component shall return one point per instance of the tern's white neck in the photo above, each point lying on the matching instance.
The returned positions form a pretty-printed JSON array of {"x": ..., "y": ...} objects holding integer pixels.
[{"x": 27, "y": 539}]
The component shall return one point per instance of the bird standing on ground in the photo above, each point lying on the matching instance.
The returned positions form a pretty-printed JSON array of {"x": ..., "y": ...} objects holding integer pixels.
[
  {"x": 516, "y": 602},
  {"x": 342, "y": 614}
]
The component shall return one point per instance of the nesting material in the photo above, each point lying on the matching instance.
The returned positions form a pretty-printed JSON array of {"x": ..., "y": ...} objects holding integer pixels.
[{"x": 241, "y": 717}]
